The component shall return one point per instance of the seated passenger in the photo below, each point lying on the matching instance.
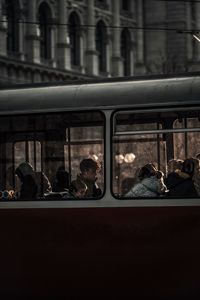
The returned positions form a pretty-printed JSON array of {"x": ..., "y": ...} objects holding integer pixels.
[
  {"x": 61, "y": 183},
  {"x": 151, "y": 183},
  {"x": 89, "y": 169},
  {"x": 182, "y": 185},
  {"x": 126, "y": 185},
  {"x": 77, "y": 189},
  {"x": 34, "y": 184},
  {"x": 196, "y": 175},
  {"x": 174, "y": 166}
]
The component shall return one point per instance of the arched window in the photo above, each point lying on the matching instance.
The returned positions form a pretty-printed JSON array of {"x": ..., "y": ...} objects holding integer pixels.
[
  {"x": 12, "y": 13},
  {"x": 74, "y": 36},
  {"x": 125, "y": 51},
  {"x": 101, "y": 42},
  {"x": 45, "y": 30}
]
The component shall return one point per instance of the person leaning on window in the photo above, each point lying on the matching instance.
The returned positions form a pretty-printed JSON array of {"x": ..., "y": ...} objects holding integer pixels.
[{"x": 150, "y": 183}]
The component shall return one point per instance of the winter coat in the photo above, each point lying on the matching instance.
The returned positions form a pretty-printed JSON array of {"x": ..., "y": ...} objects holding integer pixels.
[
  {"x": 148, "y": 187},
  {"x": 180, "y": 184},
  {"x": 34, "y": 184}
]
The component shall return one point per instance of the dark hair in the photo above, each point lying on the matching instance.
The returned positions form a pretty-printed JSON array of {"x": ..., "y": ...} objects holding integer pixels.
[
  {"x": 62, "y": 177},
  {"x": 89, "y": 163},
  {"x": 175, "y": 164},
  {"x": 147, "y": 171},
  {"x": 188, "y": 166}
]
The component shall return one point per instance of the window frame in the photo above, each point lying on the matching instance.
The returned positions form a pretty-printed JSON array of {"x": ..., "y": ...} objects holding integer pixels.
[
  {"x": 18, "y": 139},
  {"x": 157, "y": 131}
]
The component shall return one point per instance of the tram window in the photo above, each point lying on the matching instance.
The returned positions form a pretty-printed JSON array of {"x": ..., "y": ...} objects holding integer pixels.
[
  {"x": 50, "y": 148},
  {"x": 28, "y": 151},
  {"x": 156, "y": 138}
]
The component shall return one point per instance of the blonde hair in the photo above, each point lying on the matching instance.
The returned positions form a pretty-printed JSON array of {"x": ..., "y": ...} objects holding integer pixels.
[{"x": 174, "y": 164}]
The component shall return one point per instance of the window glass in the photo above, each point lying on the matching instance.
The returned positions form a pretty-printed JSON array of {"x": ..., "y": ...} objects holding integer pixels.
[
  {"x": 147, "y": 147},
  {"x": 41, "y": 156},
  {"x": 125, "y": 4}
]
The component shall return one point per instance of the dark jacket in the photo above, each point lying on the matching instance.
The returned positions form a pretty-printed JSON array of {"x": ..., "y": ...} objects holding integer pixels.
[
  {"x": 93, "y": 190},
  {"x": 180, "y": 184},
  {"x": 34, "y": 184}
]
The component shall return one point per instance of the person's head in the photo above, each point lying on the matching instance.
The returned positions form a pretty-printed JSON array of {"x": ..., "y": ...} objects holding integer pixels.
[
  {"x": 24, "y": 169},
  {"x": 89, "y": 169},
  {"x": 147, "y": 170},
  {"x": 78, "y": 188},
  {"x": 190, "y": 166},
  {"x": 174, "y": 165}
]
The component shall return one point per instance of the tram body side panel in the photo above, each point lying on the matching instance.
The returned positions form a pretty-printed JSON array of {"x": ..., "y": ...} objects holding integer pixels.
[{"x": 87, "y": 253}]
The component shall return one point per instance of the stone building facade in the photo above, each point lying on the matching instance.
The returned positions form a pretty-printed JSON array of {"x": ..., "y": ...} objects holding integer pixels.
[{"x": 50, "y": 40}]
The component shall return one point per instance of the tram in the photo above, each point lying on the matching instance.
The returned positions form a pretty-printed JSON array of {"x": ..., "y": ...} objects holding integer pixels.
[{"x": 111, "y": 246}]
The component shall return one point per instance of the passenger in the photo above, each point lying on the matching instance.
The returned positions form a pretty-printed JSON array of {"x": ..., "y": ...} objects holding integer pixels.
[
  {"x": 151, "y": 183},
  {"x": 182, "y": 184},
  {"x": 61, "y": 183},
  {"x": 196, "y": 175},
  {"x": 126, "y": 185},
  {"x": 77, "y": 189},
  {"x": 88, "y": 175},
  {"x": 34, "y": 184},
  {"x": 174, "y": 166}
]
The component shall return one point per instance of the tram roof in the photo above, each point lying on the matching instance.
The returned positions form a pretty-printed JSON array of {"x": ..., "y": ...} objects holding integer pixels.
[{"x": 138, "y": 92}]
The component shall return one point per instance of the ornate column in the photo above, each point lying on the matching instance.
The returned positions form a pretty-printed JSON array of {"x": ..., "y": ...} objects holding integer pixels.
[
  {"x": 53, "y": 58},
  {"x": 197, "y": 25},
  {"x": 132, "y": 57},
  {"x": 117, "y": 65},
  {"x": 21, "y": 39},
  {"x": 91, "y": 53},
  {"x": 63, "y": 45},
  {"x": 189, "y": 38},
  {"x": 108, "y": 51},
  {"x": 83, "y": 33},
  {"x": 139, "y": 34},
  {"x": 33, "y": 34},
  {"x": 3, "y": 32}
]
